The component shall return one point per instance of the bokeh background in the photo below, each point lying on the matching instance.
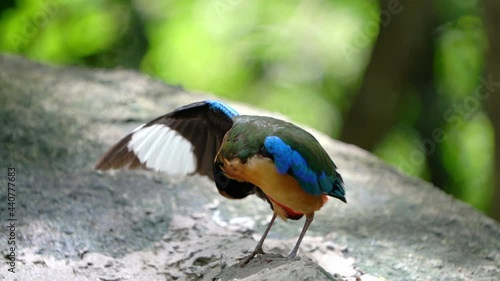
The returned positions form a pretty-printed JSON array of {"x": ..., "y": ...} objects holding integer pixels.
[{"x": 415, "y": 82}]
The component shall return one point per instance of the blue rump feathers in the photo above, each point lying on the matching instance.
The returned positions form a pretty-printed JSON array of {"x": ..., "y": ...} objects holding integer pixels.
[{"x": 285, "y": 159}]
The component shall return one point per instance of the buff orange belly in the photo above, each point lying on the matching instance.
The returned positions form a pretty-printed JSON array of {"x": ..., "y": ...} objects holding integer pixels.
[{"x": 283, "y": 189}]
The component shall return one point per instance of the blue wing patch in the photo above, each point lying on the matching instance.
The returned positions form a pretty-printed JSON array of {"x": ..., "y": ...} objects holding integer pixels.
[
  {"x": 224, "y": 108},
  {"x": 286, "y": 159}
]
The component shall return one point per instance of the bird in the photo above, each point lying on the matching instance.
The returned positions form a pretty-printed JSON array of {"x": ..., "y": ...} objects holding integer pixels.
[{"x": 244, "y": 155}]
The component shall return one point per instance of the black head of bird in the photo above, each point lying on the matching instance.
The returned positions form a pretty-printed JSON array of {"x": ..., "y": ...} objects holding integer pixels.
[{"x": 243, "y": 154}]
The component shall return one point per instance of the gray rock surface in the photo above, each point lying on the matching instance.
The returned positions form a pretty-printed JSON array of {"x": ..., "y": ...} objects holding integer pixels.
[{"x": 74, "y": 223}]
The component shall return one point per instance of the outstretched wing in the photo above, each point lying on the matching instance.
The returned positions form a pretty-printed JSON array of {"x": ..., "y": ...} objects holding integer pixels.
[{"x": 184, "y": 141}]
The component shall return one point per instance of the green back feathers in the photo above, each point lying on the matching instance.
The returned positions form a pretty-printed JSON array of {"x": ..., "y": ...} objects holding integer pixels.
[{"x": 248, "y": 134}]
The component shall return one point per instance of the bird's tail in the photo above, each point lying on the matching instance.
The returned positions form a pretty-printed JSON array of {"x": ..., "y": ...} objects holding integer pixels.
[{"x": 338, "y": 190}]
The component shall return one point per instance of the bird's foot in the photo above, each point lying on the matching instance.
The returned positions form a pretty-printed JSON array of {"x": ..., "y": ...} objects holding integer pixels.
[{"x": 246, "y": 259}]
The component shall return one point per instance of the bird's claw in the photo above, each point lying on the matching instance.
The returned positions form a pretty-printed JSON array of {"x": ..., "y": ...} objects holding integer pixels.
[{"x": 246, "y": 259}]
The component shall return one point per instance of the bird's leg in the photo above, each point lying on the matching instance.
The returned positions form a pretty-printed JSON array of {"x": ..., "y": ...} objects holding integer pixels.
[
  {"x": 309, "y": 219},
  {"x": 258, "y": 249}
]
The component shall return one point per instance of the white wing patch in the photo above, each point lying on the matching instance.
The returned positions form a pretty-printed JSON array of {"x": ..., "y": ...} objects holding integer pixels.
[{"x": 163, "y": 149}]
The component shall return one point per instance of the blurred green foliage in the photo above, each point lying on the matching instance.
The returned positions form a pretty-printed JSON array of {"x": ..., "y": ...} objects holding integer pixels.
[{"x": 304, "y": 59}]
